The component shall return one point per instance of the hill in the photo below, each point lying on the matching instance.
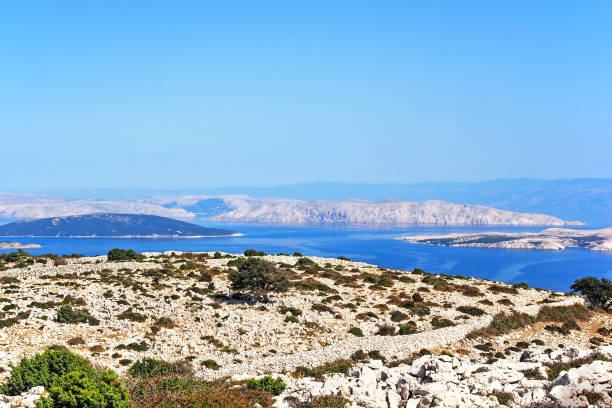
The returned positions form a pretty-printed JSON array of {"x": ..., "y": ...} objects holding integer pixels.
[
  {"x": 344, "y": 334},
  {"x": 109, "y": 225}
]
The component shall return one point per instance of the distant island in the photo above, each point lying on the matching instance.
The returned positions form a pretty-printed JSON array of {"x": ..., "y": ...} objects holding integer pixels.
[
  {"x": 110, "y": 225},
  {"x": 552, "y": 238},
  {"x": 17, "y": 245},
  {"x": 389, "y": 212}
]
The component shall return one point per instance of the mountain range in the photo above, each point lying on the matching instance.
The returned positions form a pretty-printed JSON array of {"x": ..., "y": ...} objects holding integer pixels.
[{"x": 588, "y": 200}]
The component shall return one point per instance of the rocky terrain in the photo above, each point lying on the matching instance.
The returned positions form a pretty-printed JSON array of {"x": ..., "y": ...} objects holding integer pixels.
[
  {"x": 552, "y": 238},
  {"x": 362, "y": 335}
]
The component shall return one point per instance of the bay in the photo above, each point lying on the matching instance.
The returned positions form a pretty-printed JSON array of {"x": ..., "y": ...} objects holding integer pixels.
[{"x": 554, "y": 270}]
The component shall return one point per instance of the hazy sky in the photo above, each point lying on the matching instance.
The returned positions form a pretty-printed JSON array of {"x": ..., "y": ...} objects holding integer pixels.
[{"x": 183, "y": 94}]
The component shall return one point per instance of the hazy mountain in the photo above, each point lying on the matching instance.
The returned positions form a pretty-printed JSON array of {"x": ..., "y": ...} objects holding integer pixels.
[
  {"x": 589, "y": 200},
  {"x": 20, "y": 206},
  {"x": 108, "y": 225},
  {"x": 383, "y": 212}
]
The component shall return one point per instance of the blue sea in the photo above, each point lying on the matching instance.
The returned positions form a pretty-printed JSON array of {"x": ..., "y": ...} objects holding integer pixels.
[{"x": 555, "y": 270}]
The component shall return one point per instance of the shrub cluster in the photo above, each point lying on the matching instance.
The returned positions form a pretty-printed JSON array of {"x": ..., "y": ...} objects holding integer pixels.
[
  {"x": 69, "y": 380},
  {"x": 118, "y": 254}
]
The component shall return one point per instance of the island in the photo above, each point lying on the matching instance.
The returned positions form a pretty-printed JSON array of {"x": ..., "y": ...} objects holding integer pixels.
[
  {"x": 552, "y": 238},
  {"x": 106, "y": 225},
  {"x": 16, "y": 245}
]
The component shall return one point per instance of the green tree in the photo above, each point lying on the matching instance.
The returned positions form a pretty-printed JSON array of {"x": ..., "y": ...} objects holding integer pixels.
[
  {"x": 597, "y": 293},
  {"x": 258, "y": 277}
]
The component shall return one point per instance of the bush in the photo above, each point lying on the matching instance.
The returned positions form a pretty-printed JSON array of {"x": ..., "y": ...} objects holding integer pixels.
[
  {"x": 334, "y": 367},
  {"x": 117, "y": 254},
  {"x": 406, "y": 329},
  {"x": 274, "y": 386},
  {"x": 471, "y": 310},
  {"x": 597, "y": 293},
  {"x": 66, "y": 314},
  {"x": 180, "y": 392},
  {"x": 291, "y": 319},
  {"x": 439, "y": 322},
  {"x": 398, "y": 316},
  {"x": 305, "y": 262},
  {"x": 563, "y": 314},
  {"x": 356, "y": 331},
  {"x": 149, "y": 367},
  {"x": 13, "y": 257},
  {"x": 69, "y": 379},
  {"x": 259, "y": 277},
  {"x": 386, "y": 330},
  {"x": 253, "y": 252}
]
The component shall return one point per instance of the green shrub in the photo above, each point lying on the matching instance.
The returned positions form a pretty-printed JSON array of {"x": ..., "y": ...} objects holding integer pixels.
[
  {"x": 597, "y": 293},
  {"x": 274, "y": 386},
  {"x": 334, "y": 367},
  {"x": 253, "y": 252},
  {"x": 521, "y": 285},
  {"x": 406, "y": 329},
  {"x": 293, "y": 310},
  {"x": 439, "y": 322},
  {"x": 398, "y": 316},
  {"x": 258, "y": 277},
  {"x": 563, "y": 313},
  {"x": 66, "y": 314},
  {"x": 384, "y": 281},
  {"x": 212, "y": 364},
  {"x": 504, "y": 398},
  {"x": 386, "y": 331},
  {"x": 13, "y": 257},
  {"x": 356, "y": 331},
  {"x": 117, "y": 254},
  {"x": 303, "y": 261},
  {"x": 291, "y": 319},
  {"x": 319, "y": 307},
  {"x": 69, "y": 379},
  {"x": 131, "y": 316},
  {"x": 471, "y": 310},
  {"x": 149, "y": 367}
]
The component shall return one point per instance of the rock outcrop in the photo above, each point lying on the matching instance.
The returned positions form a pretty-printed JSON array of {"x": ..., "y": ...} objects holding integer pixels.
[{"x": 454, "y": 382}]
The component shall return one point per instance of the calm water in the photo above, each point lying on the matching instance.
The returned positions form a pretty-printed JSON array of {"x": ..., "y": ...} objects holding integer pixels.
[{"x": 547, "y": 269}]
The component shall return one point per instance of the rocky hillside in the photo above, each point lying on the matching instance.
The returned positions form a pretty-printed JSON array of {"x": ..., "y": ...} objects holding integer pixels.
[
  {"x": 344, "y": 333},
  {"x": 382, "y": 212}
]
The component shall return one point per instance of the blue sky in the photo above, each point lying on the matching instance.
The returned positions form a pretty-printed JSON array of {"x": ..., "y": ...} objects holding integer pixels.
[{"x": 159, "y": 94}]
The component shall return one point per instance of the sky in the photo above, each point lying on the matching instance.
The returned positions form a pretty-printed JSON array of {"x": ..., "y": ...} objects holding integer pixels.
[{"x": 158, "y": 94}]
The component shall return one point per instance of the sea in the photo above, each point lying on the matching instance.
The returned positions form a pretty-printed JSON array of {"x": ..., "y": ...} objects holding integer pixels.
[{"x": 554, "y": 270}]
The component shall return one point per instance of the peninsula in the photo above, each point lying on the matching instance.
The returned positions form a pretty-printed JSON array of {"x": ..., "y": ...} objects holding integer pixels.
[{"x": 552, "y": 238}]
